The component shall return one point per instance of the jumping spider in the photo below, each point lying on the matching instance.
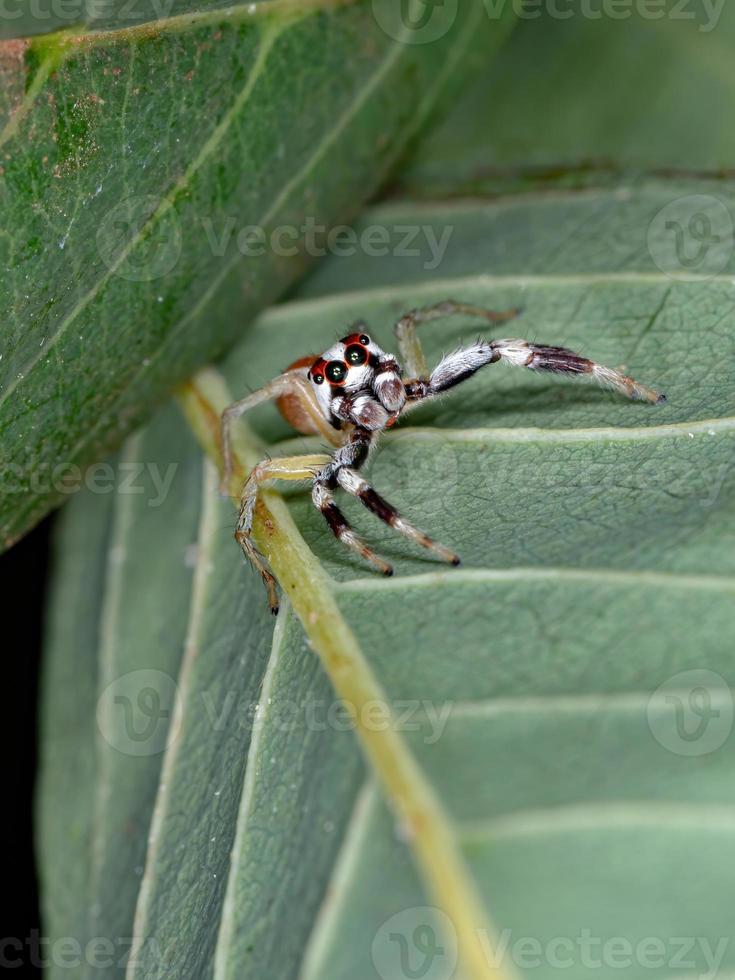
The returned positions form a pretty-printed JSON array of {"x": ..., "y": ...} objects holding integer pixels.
[{"x": 355, "y": 390}]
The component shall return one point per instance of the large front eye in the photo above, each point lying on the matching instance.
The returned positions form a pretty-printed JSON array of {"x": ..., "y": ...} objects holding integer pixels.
[
  {"x": 356, "y": 354},
  {"x": 336, "y": 371}
]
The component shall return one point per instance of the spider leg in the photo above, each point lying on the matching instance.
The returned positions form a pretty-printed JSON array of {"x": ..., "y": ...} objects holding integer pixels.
[
  {"x": 342, "y": 529},
  {"x": 291, "y": 383},
  {"x": 463, "y": 363},
  {"x": 353, "y": 483},
  {"x": 286, "y": 468},
  {"x": 409, "y": 344},
  {"x": 351, "y": 455}
]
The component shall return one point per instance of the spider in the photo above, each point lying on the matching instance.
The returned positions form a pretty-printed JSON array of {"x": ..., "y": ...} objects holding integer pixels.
[{"x": 354, "y": 391}]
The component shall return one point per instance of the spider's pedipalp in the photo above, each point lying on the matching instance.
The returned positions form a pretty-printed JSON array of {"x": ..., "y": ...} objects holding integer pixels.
[
  {"x": 388, "y": 384},
  {"x": 352, "y": 483}
]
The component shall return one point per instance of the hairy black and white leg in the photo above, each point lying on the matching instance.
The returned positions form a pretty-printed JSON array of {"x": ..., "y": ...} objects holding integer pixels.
[
  {"x": 292, "y": 383},
  {"x": 286, "y": 468},
  {"x": 409, "y": 344},
  {"x": 353, "y": 483},
  {"x": 352, "y": 455},
  {"x": 463, "y": 363}
]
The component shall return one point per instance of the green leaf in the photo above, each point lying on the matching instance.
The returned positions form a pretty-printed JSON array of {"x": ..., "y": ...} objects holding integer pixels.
[
  {"x": 538, "y": 684},
  {"x": 577, "y": 100},
  {"x": 133, "y": 162}
]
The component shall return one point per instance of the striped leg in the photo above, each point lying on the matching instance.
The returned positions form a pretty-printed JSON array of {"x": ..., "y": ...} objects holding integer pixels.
[
  {"x": 292, "y": 384},
  {"x": 409, "y": 344},
  {"x": 463, "y": 363},
  {"x": 351, "y": 455},
  {"x": 342, "y": 529},
  {"x": 287, "y": 468},
  {"x": 353, "y": 483}
]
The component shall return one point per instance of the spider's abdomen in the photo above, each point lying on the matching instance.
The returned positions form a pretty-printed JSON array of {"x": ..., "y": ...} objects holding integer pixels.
[{"x": 290, "y": 406}]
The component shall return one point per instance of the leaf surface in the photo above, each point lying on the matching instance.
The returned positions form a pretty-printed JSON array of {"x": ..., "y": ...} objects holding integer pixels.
[
  {"x": 598, "y": 565},
  {"x": 133, "y": 162},
  {"x": 582, "y": 98}
]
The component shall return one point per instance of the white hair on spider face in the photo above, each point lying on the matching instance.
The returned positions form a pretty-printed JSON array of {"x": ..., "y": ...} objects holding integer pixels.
[{"x": 345, "y": 368}]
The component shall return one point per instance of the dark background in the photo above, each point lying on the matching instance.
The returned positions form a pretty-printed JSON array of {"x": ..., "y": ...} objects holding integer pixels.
[{"x": 23, "y": 573}]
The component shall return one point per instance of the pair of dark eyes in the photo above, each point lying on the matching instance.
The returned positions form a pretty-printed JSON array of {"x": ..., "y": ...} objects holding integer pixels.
[{"x": 336, "y": 371}]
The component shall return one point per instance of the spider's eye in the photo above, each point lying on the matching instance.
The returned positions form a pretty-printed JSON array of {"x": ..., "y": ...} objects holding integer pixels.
[
  {"x": 317, "y": 378},
  {"x": 336, "y": 371},
  {"x": 356, "y": 354},
  {"x": 364, "y": 339}
]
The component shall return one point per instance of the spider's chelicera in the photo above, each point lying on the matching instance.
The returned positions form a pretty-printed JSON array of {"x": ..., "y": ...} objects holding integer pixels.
[{"x": 355, "y": 390}]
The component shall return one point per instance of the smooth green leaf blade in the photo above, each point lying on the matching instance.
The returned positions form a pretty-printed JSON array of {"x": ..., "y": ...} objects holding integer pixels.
[
  {"x": 133, "y": 164},
  {"x": 578, "y": 99},
  {"x": 254, "y": 796},
  {"x": 597, "y": 538},
  {"x": 65, "y": 799},
  {"x": 548, "y": 237},
  {"x": 560, "y": 882},
  {"x": 127, "y": 672},
  {"x": 293, "y": 812}
]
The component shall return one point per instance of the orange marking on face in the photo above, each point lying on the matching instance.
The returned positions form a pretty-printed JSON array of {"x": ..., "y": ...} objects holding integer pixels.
[{"x": 354, "y": 338}]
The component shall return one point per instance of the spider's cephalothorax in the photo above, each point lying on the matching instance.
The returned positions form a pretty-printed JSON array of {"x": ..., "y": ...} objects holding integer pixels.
[
  {"x": 354, "y": 390},
  {"x": 357, "y": 383}
]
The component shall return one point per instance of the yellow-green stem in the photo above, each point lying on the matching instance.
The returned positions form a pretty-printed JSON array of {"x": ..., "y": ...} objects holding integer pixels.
[{"x": 409, "y": 793}]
